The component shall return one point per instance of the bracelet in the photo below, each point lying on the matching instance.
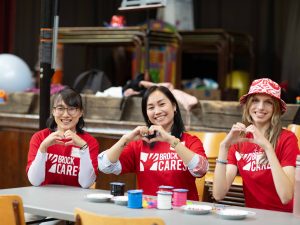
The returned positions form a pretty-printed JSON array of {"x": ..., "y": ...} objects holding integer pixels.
[
  {"x": 84, "y": 147},
  {"x": 175, "y": 143},
  {"x": 224, "y": 162}
]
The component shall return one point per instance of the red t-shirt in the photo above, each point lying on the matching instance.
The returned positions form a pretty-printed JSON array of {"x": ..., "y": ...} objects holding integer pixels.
[
  {"x": 161, "y": 165},
  {"x": 62, "y": 165},
  {"x": 258, "y": 184}
]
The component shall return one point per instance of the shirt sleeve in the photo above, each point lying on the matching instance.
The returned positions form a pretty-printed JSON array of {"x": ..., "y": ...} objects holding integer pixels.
[
  {"x": 36, "y": 171},
  {"x": 86, "y": 176},
  {"x": 34, "y": 146},
  {"x": 93, "y": 149},
  {"x": 198, "y": 166},
  {"x": 108, "y": 167},
  {"x": 287, "y": 148}
]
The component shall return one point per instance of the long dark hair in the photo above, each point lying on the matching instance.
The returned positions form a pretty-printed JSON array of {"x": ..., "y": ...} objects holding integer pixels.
[
  {"x": 178, "y": 126},
  {"x": 71, "y": 98}
]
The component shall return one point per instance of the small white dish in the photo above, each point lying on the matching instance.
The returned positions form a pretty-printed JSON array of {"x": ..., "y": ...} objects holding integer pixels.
[
  {"x": 234, "y": 214},
  {"x": 98, "y": 197},
  {"x": 120, "y": 200},
  {"x": 196, "y": 209}
]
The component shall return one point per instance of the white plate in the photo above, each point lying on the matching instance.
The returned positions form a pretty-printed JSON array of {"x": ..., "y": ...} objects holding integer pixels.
[
  {"x": 234, "y": 214},
  {"x": 99, "y": 197},
  {"x": 196, "y": 209},
  {"x": 120, "y": 200}
]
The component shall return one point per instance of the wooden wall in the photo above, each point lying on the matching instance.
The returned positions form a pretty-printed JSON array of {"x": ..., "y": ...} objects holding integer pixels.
[{"x": 13, "y": 158}]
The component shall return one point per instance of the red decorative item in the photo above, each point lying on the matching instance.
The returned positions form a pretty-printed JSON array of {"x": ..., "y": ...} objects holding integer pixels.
[
  {"x": 265, "y": 86},
  {"x": 117, "y": 21}
]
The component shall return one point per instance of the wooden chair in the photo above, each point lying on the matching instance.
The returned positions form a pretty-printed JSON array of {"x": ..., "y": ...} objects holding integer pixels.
[
  {"x": 295, "y": 128},
  {"x": 211, "y": 143},
  {"x": 93, "y": 186},
  {"x": 11, "y": 210},
  {"x": 87, "y": 218},
  {"x": 200, "y": 183},
  {"x": 234, "y": 196}
]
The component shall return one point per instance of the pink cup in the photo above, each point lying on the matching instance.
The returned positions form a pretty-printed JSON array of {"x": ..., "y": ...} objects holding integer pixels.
[{"x": 179, "y": 197}]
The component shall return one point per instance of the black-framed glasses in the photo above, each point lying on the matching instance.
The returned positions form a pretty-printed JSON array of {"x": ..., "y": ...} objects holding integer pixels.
[{"x": 60, "y": 110}]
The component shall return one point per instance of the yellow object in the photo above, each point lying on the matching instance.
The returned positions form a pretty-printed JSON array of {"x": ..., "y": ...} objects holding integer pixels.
[
  {"x": 88, "y": 218},
  {"x": 238, "y": 79},
  {"x": 11, "y": 210}
]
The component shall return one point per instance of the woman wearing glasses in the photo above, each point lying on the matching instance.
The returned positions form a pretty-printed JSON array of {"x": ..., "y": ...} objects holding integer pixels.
[{"x": 63, "y": 153}]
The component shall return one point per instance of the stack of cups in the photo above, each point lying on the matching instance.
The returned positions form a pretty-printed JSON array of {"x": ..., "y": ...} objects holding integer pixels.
[
  {"x": 179, "y": 197},
  {"x": 135, "y": 199},
  {"x": 164, "y": 200},
  {"x": 165, "y": 188},
  {"x": 117, "y": 188}
]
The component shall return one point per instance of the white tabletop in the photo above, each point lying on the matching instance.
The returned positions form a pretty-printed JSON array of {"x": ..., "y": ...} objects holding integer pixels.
[{"x": 60, "y": 201}]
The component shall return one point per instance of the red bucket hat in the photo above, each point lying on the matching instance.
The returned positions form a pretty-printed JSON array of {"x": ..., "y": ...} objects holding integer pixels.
[{"x": 265, "y": 86}]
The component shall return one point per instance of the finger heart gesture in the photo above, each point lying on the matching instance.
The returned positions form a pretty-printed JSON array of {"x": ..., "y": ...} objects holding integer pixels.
[
  {"x": 149, "y": 136},
  {"x": 238, "y": 134},
  {"x": 68, "y": 138}
]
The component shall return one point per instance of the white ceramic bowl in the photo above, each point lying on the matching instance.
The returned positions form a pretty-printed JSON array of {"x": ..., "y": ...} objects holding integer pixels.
[
  {"x": 233, "y": 214},
  {"x": 196, "y": 209},
  {"x": 98, "y": 197}
]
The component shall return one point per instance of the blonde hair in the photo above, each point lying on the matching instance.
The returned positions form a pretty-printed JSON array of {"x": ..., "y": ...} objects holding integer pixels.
[{"x": 274, "y": 130}]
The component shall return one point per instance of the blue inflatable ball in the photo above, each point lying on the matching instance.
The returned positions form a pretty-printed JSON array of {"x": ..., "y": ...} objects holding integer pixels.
[{"x": 15, "y": 75}]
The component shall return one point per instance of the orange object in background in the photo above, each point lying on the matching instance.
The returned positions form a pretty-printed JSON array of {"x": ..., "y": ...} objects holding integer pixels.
[
  {"x": 3, "y": 96},
  {"x": 57, "y": 77},
  {"x": 58, "y": 74}
]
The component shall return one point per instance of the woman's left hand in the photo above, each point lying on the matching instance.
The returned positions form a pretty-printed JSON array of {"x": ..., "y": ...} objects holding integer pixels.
[
  {"x": 73, "y": 139},
  {"x": 258, "y": 137}
]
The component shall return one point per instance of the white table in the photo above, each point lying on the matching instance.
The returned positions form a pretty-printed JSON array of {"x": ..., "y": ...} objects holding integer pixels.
[{"x": 60, "y": 201}]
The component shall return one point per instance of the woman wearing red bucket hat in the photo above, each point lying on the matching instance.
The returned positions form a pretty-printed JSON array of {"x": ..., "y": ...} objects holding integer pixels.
[{"x": 261, "y": 151}]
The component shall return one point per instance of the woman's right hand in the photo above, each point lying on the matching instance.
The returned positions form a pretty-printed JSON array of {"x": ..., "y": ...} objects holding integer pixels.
[
  {"x": 140, "y": 132},
  {"x": 54, "y": 138},
  {"x": 235, "y": 135}
]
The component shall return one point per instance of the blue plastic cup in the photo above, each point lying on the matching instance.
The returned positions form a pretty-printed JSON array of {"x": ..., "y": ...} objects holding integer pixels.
[{"x": 135, "y": 199}]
